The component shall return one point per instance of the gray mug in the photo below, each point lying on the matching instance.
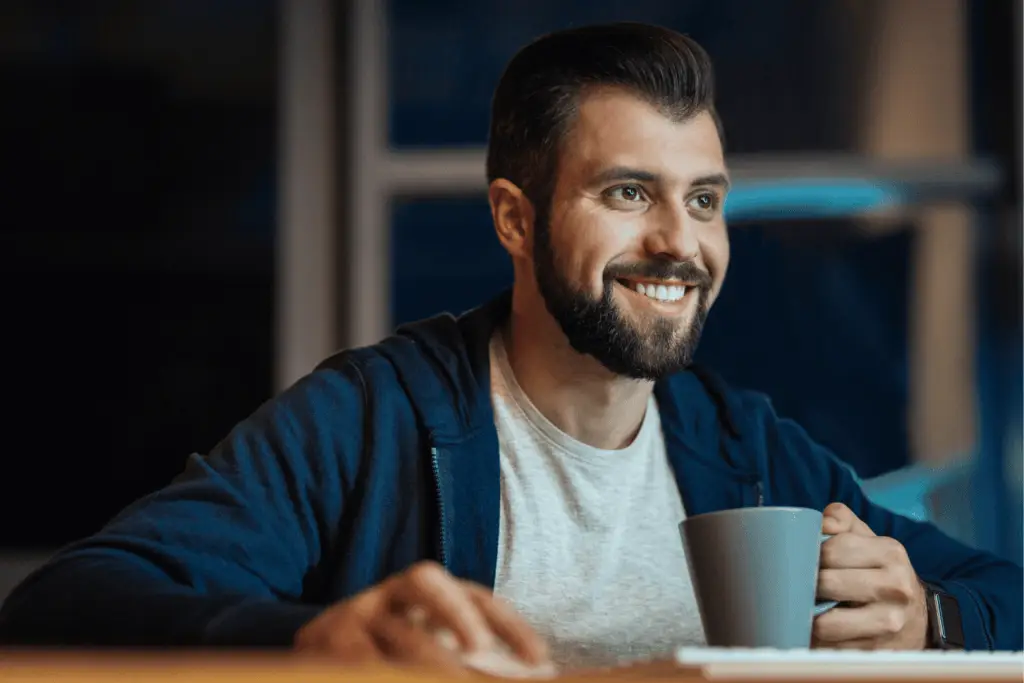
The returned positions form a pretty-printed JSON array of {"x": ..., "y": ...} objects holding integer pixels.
[{"x": 755, "y": 575}]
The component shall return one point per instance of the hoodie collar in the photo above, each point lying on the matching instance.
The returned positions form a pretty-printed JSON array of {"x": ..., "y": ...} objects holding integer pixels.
[{"x": 444, "y": 364}]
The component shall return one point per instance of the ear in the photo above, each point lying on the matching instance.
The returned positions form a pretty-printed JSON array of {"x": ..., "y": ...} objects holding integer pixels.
[{"x": 513, "y": 217}]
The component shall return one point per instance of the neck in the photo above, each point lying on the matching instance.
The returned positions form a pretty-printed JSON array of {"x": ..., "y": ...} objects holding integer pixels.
[{"x": 574, "y": 391}]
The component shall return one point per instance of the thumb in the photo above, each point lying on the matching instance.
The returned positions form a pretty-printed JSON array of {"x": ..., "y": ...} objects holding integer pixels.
[{"x": 839, "y": 519}]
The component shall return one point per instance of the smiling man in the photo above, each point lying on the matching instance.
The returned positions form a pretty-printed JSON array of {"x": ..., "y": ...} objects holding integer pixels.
[{"x": 518, "y": 474}]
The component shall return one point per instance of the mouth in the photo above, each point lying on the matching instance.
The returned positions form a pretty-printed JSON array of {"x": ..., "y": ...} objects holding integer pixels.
[{"x": 663, "y": 291}]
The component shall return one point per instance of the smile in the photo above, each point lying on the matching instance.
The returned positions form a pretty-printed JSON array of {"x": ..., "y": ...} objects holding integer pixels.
[{"x": 665, "y": 291}]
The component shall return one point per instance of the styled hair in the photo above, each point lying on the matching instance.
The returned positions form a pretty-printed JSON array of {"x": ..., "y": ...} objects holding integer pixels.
[{"x": 537, "y": 98}]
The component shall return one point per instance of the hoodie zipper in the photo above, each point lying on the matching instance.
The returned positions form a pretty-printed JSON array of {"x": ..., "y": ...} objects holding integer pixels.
[
  {"x": 759, "y": 492},
  {"x": 440, "y": 507}
]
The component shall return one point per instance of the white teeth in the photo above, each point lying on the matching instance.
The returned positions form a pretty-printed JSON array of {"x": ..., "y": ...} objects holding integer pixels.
[{"x": 661, "y": 292}]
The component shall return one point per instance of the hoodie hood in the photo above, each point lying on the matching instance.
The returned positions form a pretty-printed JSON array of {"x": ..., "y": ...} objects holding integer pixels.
[{"x": 443, "y": 363}]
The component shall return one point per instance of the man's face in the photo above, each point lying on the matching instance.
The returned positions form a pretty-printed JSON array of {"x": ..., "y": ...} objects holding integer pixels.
[{"x": 635, "y": 247}]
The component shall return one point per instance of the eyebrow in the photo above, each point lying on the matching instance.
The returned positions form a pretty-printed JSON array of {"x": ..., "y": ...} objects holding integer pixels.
[
  {"x": 626, "y": 173},
  {"x": 715, "y": 179},
  {"x": 620, "y": 173}
]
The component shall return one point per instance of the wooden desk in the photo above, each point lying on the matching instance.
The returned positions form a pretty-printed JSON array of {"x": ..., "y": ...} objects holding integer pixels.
[{"x": 186, "y": 667}]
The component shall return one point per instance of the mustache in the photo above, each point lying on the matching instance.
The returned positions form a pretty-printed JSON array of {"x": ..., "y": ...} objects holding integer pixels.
[{"x": 686, "y": 271}]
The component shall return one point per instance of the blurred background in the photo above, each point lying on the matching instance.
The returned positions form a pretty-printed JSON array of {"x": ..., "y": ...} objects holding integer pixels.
[{"x": 201, "y": 199}]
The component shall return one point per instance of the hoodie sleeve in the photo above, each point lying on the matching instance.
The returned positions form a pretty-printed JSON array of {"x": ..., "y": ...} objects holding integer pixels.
[
  {"x": 989, "y": 590},
  {"x": 224, "y": 555}
]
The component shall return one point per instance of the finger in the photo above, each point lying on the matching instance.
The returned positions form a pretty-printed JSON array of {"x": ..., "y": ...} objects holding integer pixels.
[
  {"x": 890, "y": 584},
  {"x": 839, "y": 519},
  {"x": 877, "y": 620},
  {"x": 858, "y": 644},
  {"x": 402, "y": 641},
  {"x": 510, "y": 626},
  {"x": 446, "y": 603},
  {"x": 349, "y": 643},
  {"x": 852, "y": 551},
  {"x": 365, "y": 605},
  {"x": 853, "y": 585}
]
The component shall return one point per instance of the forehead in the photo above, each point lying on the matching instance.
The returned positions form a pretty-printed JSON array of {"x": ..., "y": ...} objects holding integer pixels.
[{"x": 616, "y": 128}]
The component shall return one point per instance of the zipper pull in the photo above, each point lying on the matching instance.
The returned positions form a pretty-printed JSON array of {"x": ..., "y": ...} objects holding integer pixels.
[{"x": 759, "y": 488}]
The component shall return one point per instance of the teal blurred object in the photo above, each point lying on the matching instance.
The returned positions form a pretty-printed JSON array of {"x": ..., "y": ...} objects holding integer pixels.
[
  {"x": 808, "y": 198},
  {"x": 941, "y": 496}
]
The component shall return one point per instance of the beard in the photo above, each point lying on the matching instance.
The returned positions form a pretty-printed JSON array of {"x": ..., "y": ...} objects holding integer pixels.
[{"x": 643, "y": 350}]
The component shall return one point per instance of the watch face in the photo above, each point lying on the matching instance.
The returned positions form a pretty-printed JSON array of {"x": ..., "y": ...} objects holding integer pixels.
[{"x": 949, "y": 628}]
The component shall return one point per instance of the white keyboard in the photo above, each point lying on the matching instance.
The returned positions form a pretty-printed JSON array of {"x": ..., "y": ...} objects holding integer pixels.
[{"x": 768, "y": 663}]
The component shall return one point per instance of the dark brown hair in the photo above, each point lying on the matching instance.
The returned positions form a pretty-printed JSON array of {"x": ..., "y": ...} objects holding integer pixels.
[{"x": 536, "y": 99}]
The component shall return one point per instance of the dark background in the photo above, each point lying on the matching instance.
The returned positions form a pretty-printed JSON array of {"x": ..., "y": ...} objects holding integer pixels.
[{"x": 137, "y": 185}]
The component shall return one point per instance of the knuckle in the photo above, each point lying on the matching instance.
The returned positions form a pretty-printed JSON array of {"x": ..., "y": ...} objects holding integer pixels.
[
  {"x": 892, "y": 621},
  {"x": 903, "y": 586},
  {"x": 887, "y": 588},
  {"x": 830, "y": 552},
  {"x": 894, "y": 551},
  {"x": 826, "y": 581}
]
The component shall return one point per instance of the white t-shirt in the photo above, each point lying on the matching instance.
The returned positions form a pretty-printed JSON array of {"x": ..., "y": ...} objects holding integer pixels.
[{"x": 589, "y": 548}]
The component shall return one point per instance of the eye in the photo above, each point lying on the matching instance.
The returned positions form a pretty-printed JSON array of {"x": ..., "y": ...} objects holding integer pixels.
[
  {"x": 627, "y": 194},
  {"x": 705, "y": 203}
]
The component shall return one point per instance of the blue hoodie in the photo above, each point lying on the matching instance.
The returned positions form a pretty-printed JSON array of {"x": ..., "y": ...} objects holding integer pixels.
[{"x": 388, "y": 455}]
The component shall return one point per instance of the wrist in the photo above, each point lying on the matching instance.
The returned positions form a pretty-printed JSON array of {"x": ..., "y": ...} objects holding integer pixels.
[{"x": 925, "y": 639}]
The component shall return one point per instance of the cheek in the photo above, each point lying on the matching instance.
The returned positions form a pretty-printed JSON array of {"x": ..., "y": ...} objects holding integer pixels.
[
  {"x": 582, "y": 249},
  {"x": 586, "y": 270},
  {"x": 715, "y": 252}
]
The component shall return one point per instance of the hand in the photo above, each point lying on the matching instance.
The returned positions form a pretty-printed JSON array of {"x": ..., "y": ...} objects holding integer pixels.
[
  {"x": 400, "y": 619},
  {"x": 886, "y": 603}
]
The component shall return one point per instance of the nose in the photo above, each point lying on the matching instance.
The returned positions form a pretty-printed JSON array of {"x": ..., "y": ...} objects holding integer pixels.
[{"x": 673, "y": 237}]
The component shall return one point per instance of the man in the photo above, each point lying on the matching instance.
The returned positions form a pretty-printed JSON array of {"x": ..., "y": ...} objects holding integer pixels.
[{"x": 518, "y": 474}]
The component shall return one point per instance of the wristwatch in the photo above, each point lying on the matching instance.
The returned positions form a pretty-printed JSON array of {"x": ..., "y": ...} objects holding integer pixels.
[{"x": 946, "y": 630}]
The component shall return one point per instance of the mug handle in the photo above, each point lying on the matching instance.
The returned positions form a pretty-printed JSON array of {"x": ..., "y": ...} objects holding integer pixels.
[{"x": 823, "y": 606}]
